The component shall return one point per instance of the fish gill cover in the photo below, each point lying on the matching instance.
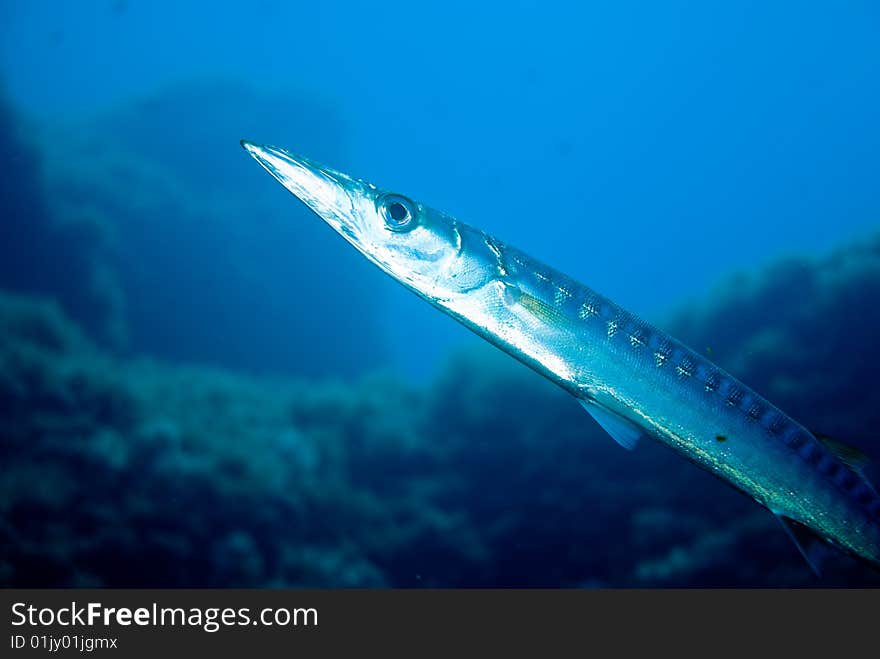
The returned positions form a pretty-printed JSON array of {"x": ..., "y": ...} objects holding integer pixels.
[{"x": 126, "y": 471}]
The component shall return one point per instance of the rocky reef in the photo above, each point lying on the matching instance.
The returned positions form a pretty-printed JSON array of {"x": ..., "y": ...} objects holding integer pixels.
[
  {"x": 131, "y": 472},
  {"x": 123, "y": 470},
  {"x": 153, "y": 231},
  {"x": 44, "y": 252}
]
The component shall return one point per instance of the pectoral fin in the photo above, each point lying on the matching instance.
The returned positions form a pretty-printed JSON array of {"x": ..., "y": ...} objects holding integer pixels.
[
  {"x": 850, "y": 455},
  {"x": 622, "y": 430},
  {"x": 812, "y": 547}
]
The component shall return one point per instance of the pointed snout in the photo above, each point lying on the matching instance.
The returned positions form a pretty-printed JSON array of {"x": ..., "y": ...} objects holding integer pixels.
[{"x": 320, "y": 188}]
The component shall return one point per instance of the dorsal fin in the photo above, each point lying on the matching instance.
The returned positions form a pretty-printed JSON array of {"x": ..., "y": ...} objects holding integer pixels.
[
  {"x": 623, "y": 431},
  {"x": 851, "y": 456},
  {"x": 812, "y": 547}
]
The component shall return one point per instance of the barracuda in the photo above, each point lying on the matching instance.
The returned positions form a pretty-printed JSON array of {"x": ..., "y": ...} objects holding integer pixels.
[{"x": 634, "y": 379}]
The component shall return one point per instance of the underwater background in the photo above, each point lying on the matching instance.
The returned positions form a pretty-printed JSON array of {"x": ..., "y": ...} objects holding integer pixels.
[{"x": 202, "y": 385}]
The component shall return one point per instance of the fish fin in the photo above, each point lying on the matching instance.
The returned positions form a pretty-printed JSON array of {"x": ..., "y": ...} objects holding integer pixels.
[
  {"x": 812, "y": 547},
  {"x": 539, "y": 309},
  {"x": 849, "y": 455},
  {"x": 623, "y": 431},
  {"x": 853, "y": 457}
]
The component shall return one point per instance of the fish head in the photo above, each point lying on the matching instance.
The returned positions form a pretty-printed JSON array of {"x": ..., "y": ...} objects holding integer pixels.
[{"x": 417, "y": 245}]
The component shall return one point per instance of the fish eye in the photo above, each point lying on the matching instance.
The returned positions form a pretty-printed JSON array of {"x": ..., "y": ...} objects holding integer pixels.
[{"x": 397, "y": 211}]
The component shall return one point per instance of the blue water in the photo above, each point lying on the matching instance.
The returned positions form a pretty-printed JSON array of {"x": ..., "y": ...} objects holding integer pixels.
[
  {"x": 646, "y": 150},
  {"x": 650, "y": 151}
]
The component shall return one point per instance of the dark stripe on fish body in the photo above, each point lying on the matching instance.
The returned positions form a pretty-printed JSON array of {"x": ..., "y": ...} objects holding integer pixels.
[
  {"x": 810, "y": 452},
  {"x": 734, "y": 395},
  {"x": 862, "y": 494},
  {"x": 846, "y": 479},
  {"x": 637, "y": 337},
  {"x": 663, "y": 352},
  {"x": 774, "y": 422},
  {"x": 620, "y": 325},
  {"x": 755, "y": 411},
  {"x": 561, "y": 297},
  {"x": 827, "y": 465},
  {"x": 611, "y": 328},
  {"x": 794, "y": 437},
  {"x": 713, "y": 381},
  {"x": 684, "y": 365},
  {"x": 589, "y": 309}
]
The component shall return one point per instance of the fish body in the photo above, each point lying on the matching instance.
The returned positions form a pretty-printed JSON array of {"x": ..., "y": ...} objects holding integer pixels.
[{"x": 633, "y": 378}]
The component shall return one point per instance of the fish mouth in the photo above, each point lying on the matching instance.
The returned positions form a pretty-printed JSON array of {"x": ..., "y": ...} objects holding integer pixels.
[{"x": 322, "y": 189}]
